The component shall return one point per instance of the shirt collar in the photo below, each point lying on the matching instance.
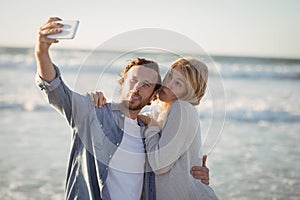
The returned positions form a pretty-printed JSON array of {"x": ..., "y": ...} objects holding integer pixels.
[{"x": 115, "y": 107}]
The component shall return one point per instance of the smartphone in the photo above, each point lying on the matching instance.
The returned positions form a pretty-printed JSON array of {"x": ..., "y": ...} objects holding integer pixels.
[{"x": 68, "y": 30}]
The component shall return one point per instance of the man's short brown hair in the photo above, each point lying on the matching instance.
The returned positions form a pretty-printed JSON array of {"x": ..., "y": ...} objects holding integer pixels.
[{"x": 146, "y": 63}]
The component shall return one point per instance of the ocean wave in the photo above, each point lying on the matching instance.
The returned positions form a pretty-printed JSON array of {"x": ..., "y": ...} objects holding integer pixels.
[
  {"x": 24, "y": 107},
  {"x": 252, "y": 116},
  {"x": 259, "y": 71},
  {"x": 261, "y": 74},
  {"x": 243, "y": 115},
  {"x": 262, "y": 115},
  {"x": 226, "y": 66}
]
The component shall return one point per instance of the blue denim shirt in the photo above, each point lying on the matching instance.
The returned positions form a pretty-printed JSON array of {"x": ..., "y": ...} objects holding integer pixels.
[{"x": 96, "y": 135}]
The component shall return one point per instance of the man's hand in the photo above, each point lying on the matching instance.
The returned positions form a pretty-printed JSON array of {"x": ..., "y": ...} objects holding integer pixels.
[
  {"x": 49, "y": 28},
  {"x": 201, "y": 173},
  {"x": 97, "y": 98},
  {"x": 45, "y": 67}
]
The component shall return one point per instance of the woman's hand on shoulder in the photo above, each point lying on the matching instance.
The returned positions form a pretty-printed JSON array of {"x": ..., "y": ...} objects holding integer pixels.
[
  {"x": 97, "y": 98},
  {"x": 148, "y": 121}
]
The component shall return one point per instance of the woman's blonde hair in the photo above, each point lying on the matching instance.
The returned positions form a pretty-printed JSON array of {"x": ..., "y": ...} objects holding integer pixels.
[{"x": 196, "y": 73}]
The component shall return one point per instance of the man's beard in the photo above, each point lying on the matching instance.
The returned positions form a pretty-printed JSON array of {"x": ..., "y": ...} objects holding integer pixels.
[{"x": 132, "y": 107}]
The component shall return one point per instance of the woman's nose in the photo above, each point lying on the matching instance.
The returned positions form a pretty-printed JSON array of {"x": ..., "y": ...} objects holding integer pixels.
[{"x": 168, "y": 84}]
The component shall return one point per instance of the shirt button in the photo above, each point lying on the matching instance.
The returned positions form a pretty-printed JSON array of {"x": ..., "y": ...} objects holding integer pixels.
[
  {"x": 101, "y": 125},
  {"x": 122, "y": 115},
  {"x": 122, "y": 129},
  {"x": 118, "y": 144},
  {"x": 109, "y": 156},
  {"x": 106, "y": 168}
]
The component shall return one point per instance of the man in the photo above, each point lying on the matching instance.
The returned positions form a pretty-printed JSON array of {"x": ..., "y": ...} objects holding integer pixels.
[{"x": 107, "y": 158}]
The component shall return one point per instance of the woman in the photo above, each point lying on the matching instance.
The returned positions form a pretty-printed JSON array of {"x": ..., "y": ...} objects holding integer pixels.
[{"x": 176, "y": 146}]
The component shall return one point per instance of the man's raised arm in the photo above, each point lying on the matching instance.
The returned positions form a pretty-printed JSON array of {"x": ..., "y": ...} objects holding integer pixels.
[{"x": 45, "y": 67}]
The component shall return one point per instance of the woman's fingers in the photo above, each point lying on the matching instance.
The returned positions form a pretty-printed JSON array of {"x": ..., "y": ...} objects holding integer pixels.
[
  {"x": 100, "y": 99},
  {"x": 97, "y": 98},
  {"x": 204, "y": 161},
  {"x": 145, "y": 119}
]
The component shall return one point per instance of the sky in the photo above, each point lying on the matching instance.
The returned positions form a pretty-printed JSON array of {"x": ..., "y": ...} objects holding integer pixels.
[{"x": 264, "y": 28}]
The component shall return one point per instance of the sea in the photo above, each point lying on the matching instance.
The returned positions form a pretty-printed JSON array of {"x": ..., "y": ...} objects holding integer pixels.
[{"x": 250, "y": 119}]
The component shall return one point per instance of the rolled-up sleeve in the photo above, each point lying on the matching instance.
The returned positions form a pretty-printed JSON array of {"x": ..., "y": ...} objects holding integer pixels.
[
  {"x": 71, "y": 105},
  {"x": 48, "y": 86}
]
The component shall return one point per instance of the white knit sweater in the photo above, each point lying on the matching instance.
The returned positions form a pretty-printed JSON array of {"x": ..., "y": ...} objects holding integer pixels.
[{"x": 173, "y": 150}]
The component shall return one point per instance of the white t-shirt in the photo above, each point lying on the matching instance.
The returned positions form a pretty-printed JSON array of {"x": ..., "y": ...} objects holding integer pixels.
[{"x": 126, "y": 168}]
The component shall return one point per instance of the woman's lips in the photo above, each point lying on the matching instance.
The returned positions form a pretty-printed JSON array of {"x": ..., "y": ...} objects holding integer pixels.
[{"x": 162, "y": 91}]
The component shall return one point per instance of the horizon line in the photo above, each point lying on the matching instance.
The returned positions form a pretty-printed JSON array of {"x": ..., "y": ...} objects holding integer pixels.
[{"x": 212, "y": 54}]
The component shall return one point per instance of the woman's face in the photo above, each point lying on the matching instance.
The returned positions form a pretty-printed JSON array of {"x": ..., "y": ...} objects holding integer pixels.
[{"x": 174, "y": 86}]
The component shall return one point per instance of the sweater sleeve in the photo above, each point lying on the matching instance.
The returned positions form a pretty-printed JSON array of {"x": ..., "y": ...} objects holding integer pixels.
[{"x": 164, "y": 147}]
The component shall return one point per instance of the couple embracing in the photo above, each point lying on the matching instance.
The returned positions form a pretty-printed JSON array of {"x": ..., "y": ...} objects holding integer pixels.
[{"x": 116, "y": 153}]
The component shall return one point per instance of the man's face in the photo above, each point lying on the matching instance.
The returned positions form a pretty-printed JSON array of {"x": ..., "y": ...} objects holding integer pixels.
[{"x": 138, "y": 87}]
